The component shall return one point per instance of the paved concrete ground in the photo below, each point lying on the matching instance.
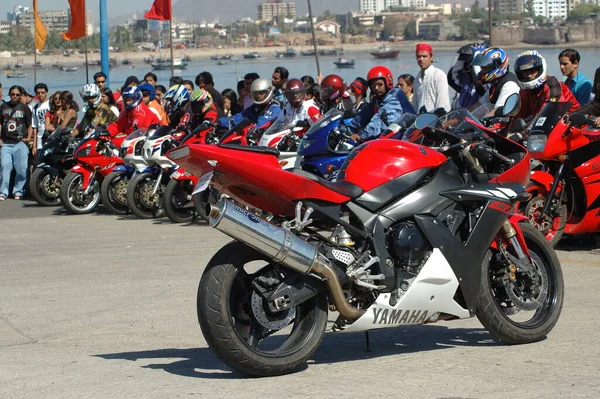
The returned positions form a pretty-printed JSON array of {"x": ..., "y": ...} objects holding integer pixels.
[{"x": 99, "y": 306}]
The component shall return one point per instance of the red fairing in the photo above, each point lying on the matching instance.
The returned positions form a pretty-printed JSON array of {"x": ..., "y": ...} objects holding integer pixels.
[
  {"x": 255, "y": 179},
  {"x": 140, "y": 117},
  {"x": 377, "y": 162}
]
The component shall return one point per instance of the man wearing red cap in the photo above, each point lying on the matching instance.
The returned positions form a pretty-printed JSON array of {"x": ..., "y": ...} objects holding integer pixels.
[{"x": 431, "y": 84}]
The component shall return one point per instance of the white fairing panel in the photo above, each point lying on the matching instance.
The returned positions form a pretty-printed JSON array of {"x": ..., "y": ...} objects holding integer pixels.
[{"x": 431, "y": 293}]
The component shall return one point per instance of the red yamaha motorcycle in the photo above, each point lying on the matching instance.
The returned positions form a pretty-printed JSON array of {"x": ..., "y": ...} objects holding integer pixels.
[
  {"x": 96, "y": 156},
  {"x": 565, "y": 190},
  {"x": 407, "y": 235}
]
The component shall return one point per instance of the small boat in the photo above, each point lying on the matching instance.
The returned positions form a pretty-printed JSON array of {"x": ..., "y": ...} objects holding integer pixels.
[
  {"x": 187, "y": 58},
  {"x": 307, "y": 52},
  {"x": 16, "y": 75},
  {"x": 252, "y": 56},
  {"x": 38, "y": 64},
  {"x": 288, "y": 53},
  {"x": 221, "y": 57},
  {"x": 163, "y": 64},
  {"x": 18, "y": 65},
  {"x": 126, "y": 61},
  {"x": 331, "y": 51},
  {"x": 344, "y": 63},
  {"x": 386, "y": 53},
  {"x": 68, "y": 69},
  {"x": 66, "y": 54},
  {"x": 222, "y": 62}
]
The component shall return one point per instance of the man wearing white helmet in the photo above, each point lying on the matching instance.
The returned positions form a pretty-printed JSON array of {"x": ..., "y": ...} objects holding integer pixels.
[
  {"x": 96, "y": 112},
  {"x": 263, "y": 109},
  {"x": 539, "y": 88}
]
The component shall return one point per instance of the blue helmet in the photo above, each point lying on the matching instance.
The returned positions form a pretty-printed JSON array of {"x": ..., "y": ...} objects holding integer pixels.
[
  {"x": 493, "y": 62},
  {"x": 132, "y": 92},
  {"x": 147, "y": 87},
  {"x": 176, "y": 98}
]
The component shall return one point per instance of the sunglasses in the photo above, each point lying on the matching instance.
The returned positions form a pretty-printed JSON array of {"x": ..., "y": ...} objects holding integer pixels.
[{"x": 15, "y": 94}]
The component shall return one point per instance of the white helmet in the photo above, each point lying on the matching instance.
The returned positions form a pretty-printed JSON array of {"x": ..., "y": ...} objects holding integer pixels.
[
  {"x": 531, "y": 61},
  {"x": 261, "y": 91},
  {"x": 89, "y": 92}
]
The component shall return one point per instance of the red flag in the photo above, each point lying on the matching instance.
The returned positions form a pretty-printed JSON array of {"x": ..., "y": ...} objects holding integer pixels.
[
  {"x": 161, "y": 10},
  {"x": 77, "y": 28}
]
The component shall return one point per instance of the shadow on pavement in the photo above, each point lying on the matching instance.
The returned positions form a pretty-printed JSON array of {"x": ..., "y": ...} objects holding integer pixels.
[{"x": 335, "y": 348}]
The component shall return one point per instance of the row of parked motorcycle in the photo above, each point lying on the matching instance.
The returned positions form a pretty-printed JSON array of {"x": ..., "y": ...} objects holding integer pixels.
[{"x": 134, "y": 174}]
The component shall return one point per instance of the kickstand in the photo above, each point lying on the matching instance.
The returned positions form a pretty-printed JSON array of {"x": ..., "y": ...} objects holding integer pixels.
[{"x": 367, "y": 339}]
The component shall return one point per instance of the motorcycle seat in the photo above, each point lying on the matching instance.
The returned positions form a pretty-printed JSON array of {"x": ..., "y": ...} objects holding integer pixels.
[
  {"x": 593, "y": 135},
  {"x": 344, "y": 188},
  {"x": 257, "y": 149}
]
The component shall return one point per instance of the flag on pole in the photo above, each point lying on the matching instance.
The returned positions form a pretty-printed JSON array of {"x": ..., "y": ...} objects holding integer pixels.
[
  {"x": 77, "y": 27},
  {"x": 41, "y": 33},
  {"x": 161, "y": 10}
]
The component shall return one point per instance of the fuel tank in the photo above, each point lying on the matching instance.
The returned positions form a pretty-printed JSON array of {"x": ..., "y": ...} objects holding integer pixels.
[{"x": 377, "y": 162}]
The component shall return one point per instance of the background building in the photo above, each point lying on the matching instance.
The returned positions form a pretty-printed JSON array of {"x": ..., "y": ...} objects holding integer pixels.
[
  {"x": 55, "y": 21},
  {"x": 276, "y": 10},
  {"x": 507, "y": 7},
  {"x": 372, "y": 6}
]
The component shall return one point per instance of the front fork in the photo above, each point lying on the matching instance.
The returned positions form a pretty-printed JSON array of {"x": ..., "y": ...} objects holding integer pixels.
[
  {"x": 511, "y": 235},
  {"x": 555, "y": 184}
]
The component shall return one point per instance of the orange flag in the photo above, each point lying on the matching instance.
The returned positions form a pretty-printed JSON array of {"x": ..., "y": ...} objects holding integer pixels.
[
  {"x": 77, "y": 28},
  {"x": 41, "y": 33}
]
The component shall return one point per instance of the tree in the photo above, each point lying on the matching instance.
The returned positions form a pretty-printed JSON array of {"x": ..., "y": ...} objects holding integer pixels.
[
  {"x": 469, "y": 30},
  {"x": 582, "y": 11},
  {"x": 476, "y": 11},
  {"x": 410, "y": 32}
]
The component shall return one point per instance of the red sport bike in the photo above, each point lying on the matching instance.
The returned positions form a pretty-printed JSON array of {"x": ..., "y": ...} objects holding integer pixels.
[
  {"x": 566, "y": 189},
  {"x": 96, "y": 156},
  {"x": 407, "y": 234}
]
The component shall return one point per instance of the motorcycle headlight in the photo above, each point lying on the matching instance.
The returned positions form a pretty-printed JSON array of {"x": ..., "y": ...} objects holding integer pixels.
[
  {"x": 304, "y": 144},
  {"x": 139, "y": 146},
  {"x": 84, "y": 152},
  {"x": 536, "y": 143}
]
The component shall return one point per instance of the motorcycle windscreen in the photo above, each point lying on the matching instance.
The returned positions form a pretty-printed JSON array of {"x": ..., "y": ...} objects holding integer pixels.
[
  {"x": 162, "y": 131},
  {"x": 547, "y": 119}
]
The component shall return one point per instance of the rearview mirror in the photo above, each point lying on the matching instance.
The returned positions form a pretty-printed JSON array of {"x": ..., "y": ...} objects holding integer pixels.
[
  {"x": 424, "y": 120},
  {"x": 578, "y": 119},
  {"x": 512, "y": 105}
]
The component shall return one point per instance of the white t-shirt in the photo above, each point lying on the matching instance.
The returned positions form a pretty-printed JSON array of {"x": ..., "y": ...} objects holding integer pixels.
[
  {"x": 39, "y": 121},
  {"x": 431, "y": 90}
]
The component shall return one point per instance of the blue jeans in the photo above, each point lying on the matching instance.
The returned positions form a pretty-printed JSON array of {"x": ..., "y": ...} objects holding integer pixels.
[{"x": 13, "y": 155}]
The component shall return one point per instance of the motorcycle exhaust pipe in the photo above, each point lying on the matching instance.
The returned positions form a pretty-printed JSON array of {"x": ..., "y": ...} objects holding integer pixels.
[{"x": 281, "y": 245}]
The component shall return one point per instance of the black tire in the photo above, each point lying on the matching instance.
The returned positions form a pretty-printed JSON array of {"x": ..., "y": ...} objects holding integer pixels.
[
  {"x": 179, "y": 206},
  {"x": 224, "y": 314},
  {"x": 200, "y": 200},
  {"x": 73, "y": 198},
  {"x": 140, "y": 200},
  {"x": 553, "y": 226},
  {"x": 44, "y": 188},
  {"x": 493, "y": 310},
  {"x": 114, "y": 192}
]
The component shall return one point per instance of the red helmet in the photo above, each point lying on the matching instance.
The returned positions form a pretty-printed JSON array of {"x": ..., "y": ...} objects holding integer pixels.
[
  {"x": 294, "y": 91},
  {"x": 332, "y": 87},
  {"x": 381, "y": 72}
]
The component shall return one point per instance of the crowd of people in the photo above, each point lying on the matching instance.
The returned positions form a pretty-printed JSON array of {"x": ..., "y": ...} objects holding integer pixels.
[{"x": 479, "y": 76}]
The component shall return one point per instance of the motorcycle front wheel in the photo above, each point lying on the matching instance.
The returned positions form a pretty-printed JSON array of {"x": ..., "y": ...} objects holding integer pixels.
[
  {"x": 73, "y": 196},
  {"x": 518, "y": 307},
  {"x": 239, "y": 327},
  {"x": 114, "y": 192},
  {"x": 45, "y": 188},
  {"x": 140, "y": 198},
  {"x": 179, "y": 206}
]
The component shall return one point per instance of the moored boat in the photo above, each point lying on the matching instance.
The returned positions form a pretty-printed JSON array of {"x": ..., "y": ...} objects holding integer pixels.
[{"x": 344, "y": 63}]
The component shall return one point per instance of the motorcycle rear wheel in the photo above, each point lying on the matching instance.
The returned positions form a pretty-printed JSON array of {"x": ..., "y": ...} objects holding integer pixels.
[
  {"x": 140, "y": 200},
  {"x": 178, "y": 204},
  {"x": 114, "y": 193},
  {"x": 43, "y": 189},
  {"x": 73, "y": 197},
  {"x": 495, "y": 307},
  {"x": 230, "y": 326}
]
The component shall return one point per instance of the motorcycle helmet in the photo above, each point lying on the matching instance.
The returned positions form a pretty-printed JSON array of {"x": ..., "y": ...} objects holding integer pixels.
[
  {"x": 332, "y": 88},
  {"x": 528, "y": 62},
  {"x": 469, "y": 51},
  {"x": 91, "y": 92},
  {"x": 261, "y": 91},
  {"x": 133, "y": 93},
  {"x": 201, "y": 101},
  {"x": 176, "y": 98},
  {"x": 148, "y": 88},
  {"x": 295, "y": 92},
  {"x": 493, "y": 63},
  {"x": 381, "y": 72}
]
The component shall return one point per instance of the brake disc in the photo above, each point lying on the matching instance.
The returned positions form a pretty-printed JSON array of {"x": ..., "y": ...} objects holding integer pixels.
[
  {"x": 271, "y": 321},
  {"x": 516, "y": 295}
]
